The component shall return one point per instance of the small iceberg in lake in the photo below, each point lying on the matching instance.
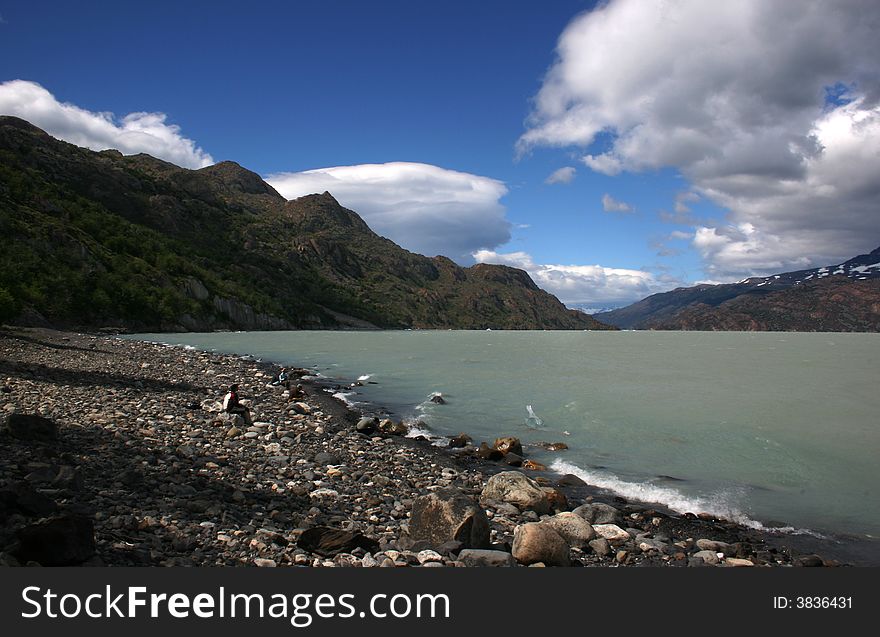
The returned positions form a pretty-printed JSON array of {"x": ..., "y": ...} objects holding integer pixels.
[{"x": 532, "y": 420}]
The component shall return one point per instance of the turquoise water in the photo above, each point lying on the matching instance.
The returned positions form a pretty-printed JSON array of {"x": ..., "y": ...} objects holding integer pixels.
[{"x": 769, "y": 429}]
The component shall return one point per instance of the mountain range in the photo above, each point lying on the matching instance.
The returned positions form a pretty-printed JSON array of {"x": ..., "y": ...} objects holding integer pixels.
[
  {"x": 96, "y": 239},
  {"x": 836, "y": 298}
]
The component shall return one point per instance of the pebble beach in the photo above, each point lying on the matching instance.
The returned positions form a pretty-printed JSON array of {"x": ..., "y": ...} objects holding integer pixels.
[{"x": 116, "y": 452}]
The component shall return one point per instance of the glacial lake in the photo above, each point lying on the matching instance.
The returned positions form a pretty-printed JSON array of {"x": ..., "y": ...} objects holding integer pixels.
[{"x": 768, "y": 429}]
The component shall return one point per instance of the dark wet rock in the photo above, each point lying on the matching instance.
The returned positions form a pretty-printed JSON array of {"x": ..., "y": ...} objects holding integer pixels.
[
  {"x": 326, "y": 458},
  {"x": 131, "y": 478},
  {"x": 394, "y": 428},
  {"x": 41, "y": 475},
  {"x": 449, "y": 515},
  {"x": 486, "y": 558},
  {"x": 570, "y": 480},
  {"x": 809, "y": 561},
  {"x": 459, "y": 441},
  {"x": 486, "y": 452},
  {"x": 328, "y": 542},
  {"x": 438, "y": 399},
  {"x": 552, "y": 446},
  {"x": 512, "y": 459},
  {"x": 68, "y": 478},
  {"x": 515, "y": 488},
  {"x": 29, "y": 427},
  {"x": 509, "y": 444},
  {"x": 59, "y": 541},
  {"x": 23, "y": 499},
  {"x": 534, "y": 542}
]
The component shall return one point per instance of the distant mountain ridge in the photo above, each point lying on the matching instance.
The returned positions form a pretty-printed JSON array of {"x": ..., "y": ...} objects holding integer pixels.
[
  {"x": 843, "y": 297},
  {"x": 92, "y": 239}
]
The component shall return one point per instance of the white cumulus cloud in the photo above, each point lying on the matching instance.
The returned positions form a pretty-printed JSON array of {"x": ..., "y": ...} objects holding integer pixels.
[
  {"x": 593, "y": 284},
  {"x": 768, "y": 107},
  {"x": 133, "y": 133},
  {"x": 563, "y": 175},
  {"x": 424, "y": 208},
  {"x": 610, "y": 204}
]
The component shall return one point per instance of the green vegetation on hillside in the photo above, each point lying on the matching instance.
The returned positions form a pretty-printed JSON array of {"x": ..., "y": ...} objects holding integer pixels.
[{"x": 94, "y": 239}]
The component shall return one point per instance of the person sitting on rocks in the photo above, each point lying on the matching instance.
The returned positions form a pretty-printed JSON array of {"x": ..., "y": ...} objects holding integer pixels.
[
  {"x": 283, "y": 378},
  {"x": 297, "y": 393},
  {"x": 231, "y": 405}
]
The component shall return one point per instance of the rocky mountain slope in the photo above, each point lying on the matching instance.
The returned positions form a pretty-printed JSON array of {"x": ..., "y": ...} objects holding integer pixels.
[
  {"x": 837, "y": 298},
  {"x": 100, "y": 239}
]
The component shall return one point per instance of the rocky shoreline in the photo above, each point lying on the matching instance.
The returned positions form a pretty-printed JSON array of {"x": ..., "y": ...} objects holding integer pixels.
[{"x": 115, "y": 453}]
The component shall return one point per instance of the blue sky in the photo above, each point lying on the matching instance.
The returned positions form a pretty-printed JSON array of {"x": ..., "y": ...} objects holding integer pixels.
[{"x": 689, "y": 142}]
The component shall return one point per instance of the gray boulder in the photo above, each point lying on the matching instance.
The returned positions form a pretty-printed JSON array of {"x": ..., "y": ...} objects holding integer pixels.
[
  {"x": 367, "y": 425},
  {"x": 600, "y": 546},
  {"x": 535, "y": 542},
  {"x": 485, "y": 558},
  {"x": 598, "y": 513},
  {"x": 573, "y": 528},
  {"x": 715, "y": 546},
  {"x": 516, "y": 488},
  {"x": 230, "y": 420},
  {"x": 446, "y": 515},
  {"x": 709, "y": 557}
]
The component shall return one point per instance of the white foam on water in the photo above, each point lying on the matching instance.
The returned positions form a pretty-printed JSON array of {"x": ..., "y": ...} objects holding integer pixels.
[
  {"x": 427, "y": 406},
  {"x": 346, "y": 397},
  {"x": 718, "y": 505},
  {"x": 418, "y": 427},
  {"x": 365, "y": 377},
  {"x": 666, "y": 496},
  {"x": 532, "y": 420}
]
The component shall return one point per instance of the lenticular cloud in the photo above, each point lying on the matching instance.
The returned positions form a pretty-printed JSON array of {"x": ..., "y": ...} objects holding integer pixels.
[{"x": 424, "y": 208}]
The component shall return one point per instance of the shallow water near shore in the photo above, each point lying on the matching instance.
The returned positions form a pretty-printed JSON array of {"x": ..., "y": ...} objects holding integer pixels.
[{"x": 767, "y": 429}]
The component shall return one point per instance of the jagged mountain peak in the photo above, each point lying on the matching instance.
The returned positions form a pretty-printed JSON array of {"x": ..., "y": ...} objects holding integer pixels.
[
  {"x": 323, "y": 212},
  {"x": 239, "y": 178}
]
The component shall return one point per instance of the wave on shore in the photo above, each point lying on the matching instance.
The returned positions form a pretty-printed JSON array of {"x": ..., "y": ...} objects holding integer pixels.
[{"x": 719, "y": 505}]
